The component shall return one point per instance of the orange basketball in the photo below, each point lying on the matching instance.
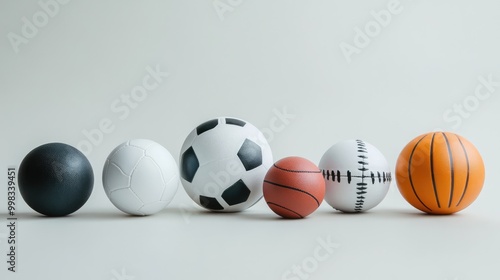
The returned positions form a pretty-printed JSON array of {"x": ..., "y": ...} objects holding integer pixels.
[
  {"x": 440, "y": 173},
  {"x": 294, "y": 187}
]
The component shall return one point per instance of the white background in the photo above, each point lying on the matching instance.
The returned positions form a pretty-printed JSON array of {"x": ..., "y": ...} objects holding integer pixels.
[{"x": 251, "y": 61}]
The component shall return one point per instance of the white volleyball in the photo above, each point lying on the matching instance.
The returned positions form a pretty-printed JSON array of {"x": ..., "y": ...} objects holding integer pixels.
[{"x": 140, "y": 177}]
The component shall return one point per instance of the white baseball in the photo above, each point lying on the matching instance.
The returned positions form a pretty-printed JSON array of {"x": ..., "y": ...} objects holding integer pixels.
[{"x": 357, "y": 176}]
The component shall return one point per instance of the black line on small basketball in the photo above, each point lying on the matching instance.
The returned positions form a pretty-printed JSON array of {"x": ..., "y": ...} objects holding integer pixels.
[
  {"x": 468, "y": 170},
  {"x": 452, "y": 169},
  {"x": 297, "y": 171},
  {"x": 288, "y": 209},
  {"x": 409, "y": 173},
  {"x": 432, "y": 171},
  {"x": 292, "y": 188}
]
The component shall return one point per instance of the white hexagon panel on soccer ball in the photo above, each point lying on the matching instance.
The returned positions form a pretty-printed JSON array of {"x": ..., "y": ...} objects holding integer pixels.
[
  {"x": 127, "y": 201},
  {"x": 223, "y": 177},
  {"x": 255, "y": 178},
  {"x": 212, "y": 178},
  {"x": 226, "y": 147}
]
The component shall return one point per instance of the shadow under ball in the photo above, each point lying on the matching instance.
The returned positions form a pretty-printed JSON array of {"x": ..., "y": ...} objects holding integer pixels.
[{"x": 55, "y": 179}]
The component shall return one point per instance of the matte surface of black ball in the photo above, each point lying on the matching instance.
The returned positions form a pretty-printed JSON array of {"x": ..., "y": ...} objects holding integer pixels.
[{"x": 55, "y": 179}]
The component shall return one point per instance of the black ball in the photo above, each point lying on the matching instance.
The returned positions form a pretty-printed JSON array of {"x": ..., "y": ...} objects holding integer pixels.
[{"x": 55, "y": 179}]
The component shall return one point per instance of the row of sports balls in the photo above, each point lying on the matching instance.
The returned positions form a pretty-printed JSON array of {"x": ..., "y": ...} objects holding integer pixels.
[{"x": 226, "y": 165}]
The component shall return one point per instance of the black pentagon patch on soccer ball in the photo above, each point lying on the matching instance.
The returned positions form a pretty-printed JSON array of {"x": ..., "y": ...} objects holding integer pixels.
[
  {"x": 236, "y": 193},
  {"x": 210, "y": 203},
  {"x": 250, "y": 155},
  {"x": 206, "y": 126},
  {"x": 189, "y": 164},
  {"x": 235, "y": 122}
]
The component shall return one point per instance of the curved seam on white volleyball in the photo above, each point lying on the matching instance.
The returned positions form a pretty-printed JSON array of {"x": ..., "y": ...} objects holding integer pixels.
[
  {"x": 165, "y": 188},
  {"x": 140, "y": 147},
  {"x": 157, "y": 166},
  {"x": 119, "y": 149}
]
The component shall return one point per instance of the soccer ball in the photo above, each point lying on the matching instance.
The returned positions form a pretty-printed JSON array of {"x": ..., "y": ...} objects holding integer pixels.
[
  {"x": 140, "y": 177},
  {"x": 223, "y": 163}
]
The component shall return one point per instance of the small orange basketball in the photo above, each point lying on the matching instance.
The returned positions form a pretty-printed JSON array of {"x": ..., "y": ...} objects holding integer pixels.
[
  {"x": 440, "y": 173},
  {"x": 294, "y": 187}
]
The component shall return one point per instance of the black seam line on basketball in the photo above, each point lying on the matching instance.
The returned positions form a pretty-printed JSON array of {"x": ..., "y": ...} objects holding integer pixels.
[
  {"x": 292, "y": 188},
  {"x": 432, "y": 170},
  {"x": 296, "y": 171},
  {"x": 452, "y": 169},
  {"x": 275, "y": 204},
  {"x": 409, "y": 173},
  {"x": 468, "y": 170}
]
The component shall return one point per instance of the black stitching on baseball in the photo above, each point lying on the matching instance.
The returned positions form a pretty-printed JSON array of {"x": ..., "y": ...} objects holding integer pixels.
[
  {"x": 334, "y": 175},
  {"x": 361, "y": 185}
]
